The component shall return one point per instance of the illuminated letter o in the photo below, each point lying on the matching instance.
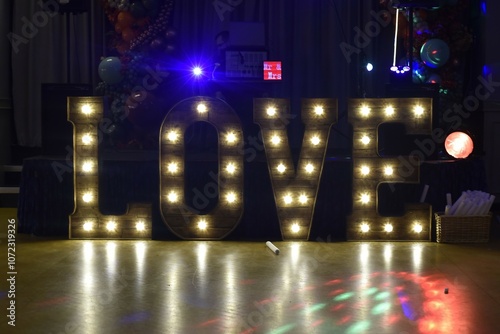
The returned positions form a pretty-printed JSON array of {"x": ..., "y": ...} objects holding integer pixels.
[{"x": 182, "y": 220}]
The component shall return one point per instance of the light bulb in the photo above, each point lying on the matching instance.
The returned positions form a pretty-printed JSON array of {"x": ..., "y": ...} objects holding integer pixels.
[
  {"x": 365, "y": 198},
  {"x": 140, "y": 226},
  {"x": 87, "y": 139},
  {"x": 231, "y": 138},
  {"x": 275, "y": 140},
  {"x": 318, "y": 110},
  {"x": 231, "y": 168},
  {"x": 288, "y": 199},
  {"x": 271, "y": 111},
  {"x": 389, "y": 110},
  {"x": 173, "y": 167},
  {"x": 87, "y": 166},
  {"x": 172, "y": 136},
  {"x": 231, "y": 197},
  {"x": 388, "y": 170},
  {"x": 201, "y": 108},
  {"x": 303, "y": 199},
  {"x": 418, "y": 110},
  {"x": 86, "y": 109},
  {"x": 365, "y": 170},
  {"x": 281, "y": 168},
  {"x": 172, "y": 197},
  {"x": 202, "y": 224},
  {"x": 111, "y": 226},
  {"x": 87, "y": 197},
  {"x": 365, "y": 227},
  {"x": 365, "y": 111},
  {"x": 315, "y": 140},
  {"x": 295, "y": 227},
  {"x": 88, "y": 226},
  {"x": 309, "y": 168},
  {"x": 417, "y": 228},
  {"x": 365, "y": 140},
  {"x": 388, "y": 228}
]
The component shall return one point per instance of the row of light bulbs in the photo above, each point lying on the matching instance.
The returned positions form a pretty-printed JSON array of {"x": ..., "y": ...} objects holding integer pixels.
[
  {"x": 389, "y": 111},
  {"x": 365, "y": 170},
  {"x": 112, "y": 225},
  {"x": 231, "y": 138},
  {"x": 388, "y": 227},
  {"x": 88, "y": 167},
  {"x": 301, "y": 198},
  {"x": 174, "y": 197},
  {"x": 173, "y": 168},
  {"x": 173, "y": 136},
  {"x": 203, "y": 225},
  {"x": 318, "y": 110}
]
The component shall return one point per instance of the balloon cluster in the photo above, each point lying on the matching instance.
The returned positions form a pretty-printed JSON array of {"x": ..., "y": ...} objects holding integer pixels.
[
  {"x": 443, "y": 48},
  {"x": 441, "y": 39},
  {"x": 141, "y": 41}
]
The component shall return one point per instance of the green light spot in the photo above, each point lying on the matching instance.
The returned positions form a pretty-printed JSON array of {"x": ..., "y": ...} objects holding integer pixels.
[
  {"x": 315, "y": 308},
  {"x": 343, "y": 296},
  {"x": 382, "y": 295},
  {"x": 370, "y": 291},
  {"x": 381, "y": 308},
  {"x": 359, "y": 327},
  {"x": 283, "y": 329}
]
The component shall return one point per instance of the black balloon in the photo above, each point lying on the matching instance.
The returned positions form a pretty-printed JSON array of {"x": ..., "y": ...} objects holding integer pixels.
[
  {"x": 157, "y": 44},
  {"x": 170, "y": 48},
  {"x": 170, "y": 33},
  {"x": 150, "y": 4},
  {"x": 138, "y": 10}
]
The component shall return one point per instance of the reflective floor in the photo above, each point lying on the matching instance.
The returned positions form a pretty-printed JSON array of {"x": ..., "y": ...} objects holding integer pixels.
[{"x": 65, "y": 286}]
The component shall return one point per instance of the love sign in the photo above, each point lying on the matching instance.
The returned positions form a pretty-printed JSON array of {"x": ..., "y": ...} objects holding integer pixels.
[{"x": 295, "y": 188}]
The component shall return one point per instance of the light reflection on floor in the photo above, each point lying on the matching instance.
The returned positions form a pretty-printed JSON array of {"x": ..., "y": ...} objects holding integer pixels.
[{"x": 230, "y": 287}]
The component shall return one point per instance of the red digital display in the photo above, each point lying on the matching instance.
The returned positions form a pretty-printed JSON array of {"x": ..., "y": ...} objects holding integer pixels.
[{"x": 272, "y": 70}]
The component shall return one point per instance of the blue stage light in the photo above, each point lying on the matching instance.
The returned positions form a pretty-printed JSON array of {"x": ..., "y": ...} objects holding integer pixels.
[
  {"x": 197, "y": 71},
  {"x": 483, "y": 7}
]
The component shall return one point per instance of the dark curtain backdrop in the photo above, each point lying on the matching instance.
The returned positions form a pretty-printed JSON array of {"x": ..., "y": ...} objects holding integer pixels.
[
  {"x": 49, "y": 47},
  {"x": 304, "y": 35}
]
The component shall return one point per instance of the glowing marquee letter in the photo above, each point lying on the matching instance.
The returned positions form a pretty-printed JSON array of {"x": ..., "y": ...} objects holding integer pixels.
[
  {"x": 86, "y": 221},
  {"x": 370, "y": 170},
  {"x": 295, "y": 191},
  {"x": 181, "y": 219}
]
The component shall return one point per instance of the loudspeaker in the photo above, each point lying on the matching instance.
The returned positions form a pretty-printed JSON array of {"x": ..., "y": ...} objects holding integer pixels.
[{"x": 57, "y": 132}]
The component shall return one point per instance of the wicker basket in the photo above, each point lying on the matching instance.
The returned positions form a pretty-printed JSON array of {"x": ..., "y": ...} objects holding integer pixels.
[{"x": 462, "y": 229}]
